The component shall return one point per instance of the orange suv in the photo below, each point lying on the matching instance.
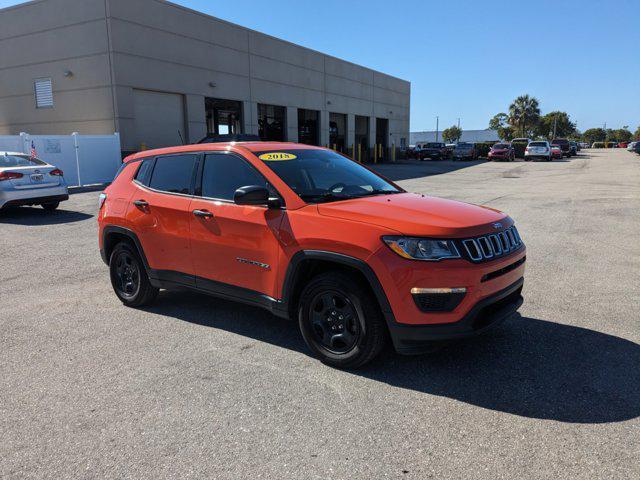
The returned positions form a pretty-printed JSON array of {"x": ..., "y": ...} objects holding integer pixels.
[{"x": 311, "y": 235}]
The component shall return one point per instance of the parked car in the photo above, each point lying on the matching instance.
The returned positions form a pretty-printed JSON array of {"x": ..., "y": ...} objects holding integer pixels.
[
  {"x": 538, "y": 150},
  {"x": 584, "y": 145},
  {"x": 574, "y": 148},
  {"x": 623, "y": 144},
  {"x": 310, "y": 235},
  {"x": 556, "y": 152},
  {"x": 636, "y": 147},
  {"x": 25, "y": 180},
  {"x": 433, "y": 151},
  {"x": 502, "y": 151},
  {"x": 564, "y": 145},
  {"x": 465, "y": 151},
  {"x": 631, "y": 146}
]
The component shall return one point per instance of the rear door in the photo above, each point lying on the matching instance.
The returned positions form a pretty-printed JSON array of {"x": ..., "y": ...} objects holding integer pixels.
[
  {"x": 159, "y": 213},
  {"x": 233, "y": 244}
]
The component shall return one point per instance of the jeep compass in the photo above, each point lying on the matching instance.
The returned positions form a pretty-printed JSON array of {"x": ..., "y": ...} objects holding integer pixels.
[{"x": 311, "y": 235}]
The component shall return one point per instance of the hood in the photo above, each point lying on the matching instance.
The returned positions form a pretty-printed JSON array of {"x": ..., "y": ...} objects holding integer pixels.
[{"x": 420, "y": 215}]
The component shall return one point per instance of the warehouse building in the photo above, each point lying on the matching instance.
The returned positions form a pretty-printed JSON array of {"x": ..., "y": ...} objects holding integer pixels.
[{"x": 160, "y": 74}]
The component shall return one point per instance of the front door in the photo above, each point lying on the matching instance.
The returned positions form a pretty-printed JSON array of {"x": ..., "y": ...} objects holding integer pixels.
[{"x": 233, "y": 244}]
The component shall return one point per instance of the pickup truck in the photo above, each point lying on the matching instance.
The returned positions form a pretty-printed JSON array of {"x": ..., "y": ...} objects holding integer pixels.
[{"x": 433, "y": 151}]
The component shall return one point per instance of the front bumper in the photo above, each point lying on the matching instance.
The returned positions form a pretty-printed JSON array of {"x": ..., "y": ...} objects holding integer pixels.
[{"x": 485, "y": 315}]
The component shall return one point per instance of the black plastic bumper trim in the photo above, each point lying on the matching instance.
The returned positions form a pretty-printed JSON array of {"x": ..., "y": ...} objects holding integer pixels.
[{"x": 486, "y": 314}]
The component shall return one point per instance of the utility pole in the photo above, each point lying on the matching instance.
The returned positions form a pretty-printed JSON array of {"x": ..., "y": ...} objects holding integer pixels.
[
  {"x": 555, "y": 120},
  {"x": 437, "y": 126},
  {"x": 458, "y": 123}
]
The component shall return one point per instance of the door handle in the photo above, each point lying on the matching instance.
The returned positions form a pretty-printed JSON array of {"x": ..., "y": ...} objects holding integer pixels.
[
  {"x": 142, "y": 204},
  {"x": 203, "y": 213}
]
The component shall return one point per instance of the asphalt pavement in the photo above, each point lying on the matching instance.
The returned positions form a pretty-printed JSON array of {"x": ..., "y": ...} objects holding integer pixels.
[{"x": 195, "y": 387}]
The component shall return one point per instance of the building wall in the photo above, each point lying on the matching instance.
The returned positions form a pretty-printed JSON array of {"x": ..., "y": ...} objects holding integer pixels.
[
  {"x": 467, "y": 136},
  {"x": 45, "y": 39},
  {"x": 155, "y": 45}
]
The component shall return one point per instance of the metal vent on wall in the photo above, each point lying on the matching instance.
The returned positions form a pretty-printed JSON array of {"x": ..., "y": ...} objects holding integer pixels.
[{"x": 44, "y": 93}]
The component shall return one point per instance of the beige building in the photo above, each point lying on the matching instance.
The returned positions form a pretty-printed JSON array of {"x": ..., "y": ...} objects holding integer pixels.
[{"x": 157, "y": 72}]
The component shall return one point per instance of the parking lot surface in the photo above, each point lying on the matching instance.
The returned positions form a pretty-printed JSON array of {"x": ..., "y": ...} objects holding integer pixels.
[{"x": 197, "y": 387}]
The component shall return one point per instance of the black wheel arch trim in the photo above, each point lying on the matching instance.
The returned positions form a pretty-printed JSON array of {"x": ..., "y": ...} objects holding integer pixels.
[
  {"x": 294, "y": 269},
  {"x": 111, "y": 229}
]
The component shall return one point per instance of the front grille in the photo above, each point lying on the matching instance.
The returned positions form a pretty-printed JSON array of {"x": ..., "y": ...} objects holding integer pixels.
[{"x": 493, "y": 245}]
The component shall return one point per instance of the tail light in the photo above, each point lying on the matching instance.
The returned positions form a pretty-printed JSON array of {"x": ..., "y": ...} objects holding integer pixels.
[
  {"x": 526, "y": 149},
  {"x": 56, "y": 172},
  {"x": 10, "y": 175}
]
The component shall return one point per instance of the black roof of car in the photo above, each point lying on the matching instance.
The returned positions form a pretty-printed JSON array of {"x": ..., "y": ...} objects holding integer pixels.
[{"x": 241, "y": 137}]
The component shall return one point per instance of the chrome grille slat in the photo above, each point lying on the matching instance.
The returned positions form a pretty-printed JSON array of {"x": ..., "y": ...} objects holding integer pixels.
[{"x": 492, "y": 245}]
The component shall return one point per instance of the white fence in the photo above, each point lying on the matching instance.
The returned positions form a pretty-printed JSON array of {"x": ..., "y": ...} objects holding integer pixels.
[{"x": 84, "y": 159}]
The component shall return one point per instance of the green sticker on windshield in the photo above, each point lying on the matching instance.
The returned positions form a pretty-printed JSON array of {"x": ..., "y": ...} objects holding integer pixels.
[{"x": 277, "y": 156}]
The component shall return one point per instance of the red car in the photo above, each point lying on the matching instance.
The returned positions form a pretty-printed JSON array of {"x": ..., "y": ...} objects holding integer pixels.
[
  {"x": 502, "y": 151},
  {"x": 556, "y": 152},
  {"x": 311, "y": 235}
]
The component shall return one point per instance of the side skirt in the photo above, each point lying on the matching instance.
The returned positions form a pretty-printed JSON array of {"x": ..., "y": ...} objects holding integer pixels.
[{"x": 171, "y": 280}]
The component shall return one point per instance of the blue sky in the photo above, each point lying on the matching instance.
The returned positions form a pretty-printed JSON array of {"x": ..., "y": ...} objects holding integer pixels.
[{"x": 469, "y": 59}]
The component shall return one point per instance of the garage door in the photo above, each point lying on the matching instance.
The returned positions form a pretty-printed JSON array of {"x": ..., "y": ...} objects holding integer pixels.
[{"x": 158, "y": 118}]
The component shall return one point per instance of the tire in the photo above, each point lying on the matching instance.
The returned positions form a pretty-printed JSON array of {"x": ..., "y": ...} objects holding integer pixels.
[
  {"x": 348, "y": 342},
  {"x": 50, "y": 207},
  {"x": 129, "y": 277}
]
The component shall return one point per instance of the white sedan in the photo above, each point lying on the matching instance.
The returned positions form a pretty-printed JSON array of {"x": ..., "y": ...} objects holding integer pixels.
[{"x": 29, "y": 181}]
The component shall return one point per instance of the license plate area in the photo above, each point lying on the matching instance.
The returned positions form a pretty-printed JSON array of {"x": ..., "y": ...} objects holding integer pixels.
[{"x": 37, "y": 177}]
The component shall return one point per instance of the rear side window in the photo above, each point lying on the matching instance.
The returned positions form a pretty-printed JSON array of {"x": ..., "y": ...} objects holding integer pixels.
[
  {"x": 19, "y": 161},
  {"x": 173, "y": 173},
  {"x": 143, "y": 175},
  {"x": 223, "y": 174}
]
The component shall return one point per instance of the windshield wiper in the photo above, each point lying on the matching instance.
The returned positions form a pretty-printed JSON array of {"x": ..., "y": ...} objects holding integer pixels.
[
  {"x": 376, "y": 191},
  {"x": 325, "y": 197}
]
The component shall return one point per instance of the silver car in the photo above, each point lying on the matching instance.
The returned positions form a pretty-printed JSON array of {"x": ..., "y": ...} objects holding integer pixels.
[{"x": 29, "y": 181}]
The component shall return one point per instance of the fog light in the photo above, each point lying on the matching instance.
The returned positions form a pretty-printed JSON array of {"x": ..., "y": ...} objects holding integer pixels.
[
  {"x": 431, "y": 300},
  {"x": 419, "y": 291}
]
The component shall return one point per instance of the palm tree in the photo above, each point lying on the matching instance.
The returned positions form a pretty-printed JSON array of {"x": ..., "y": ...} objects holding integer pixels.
[{"x": 523, "y": 112}]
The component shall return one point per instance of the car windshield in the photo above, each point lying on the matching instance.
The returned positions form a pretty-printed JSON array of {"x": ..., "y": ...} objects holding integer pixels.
[
  {"x": 538, "y": 144},
  {"x": 500, "y": 146},
  {"x": 433, "y": 145},
  {"x": 19, "y": 161},
  {"x": 463, "y": 146},
  {"x": 324, "y": 176}
]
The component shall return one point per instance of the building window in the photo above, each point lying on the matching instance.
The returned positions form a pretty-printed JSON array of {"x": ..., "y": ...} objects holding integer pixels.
[
  {"x": 308, "y": 126},
  {"x": 224, "y": 117},
  {"x": 338, "y": 131},
  {"x": 271, "y": 122},
  {"x": 44, "y": 93}
]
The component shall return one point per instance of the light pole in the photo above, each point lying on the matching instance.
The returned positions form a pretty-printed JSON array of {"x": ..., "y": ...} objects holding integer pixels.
[{"x": 437, "y": 126}]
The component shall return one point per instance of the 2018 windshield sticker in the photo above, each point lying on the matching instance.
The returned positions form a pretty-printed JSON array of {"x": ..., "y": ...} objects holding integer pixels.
[{"x": 277, "y": 156}]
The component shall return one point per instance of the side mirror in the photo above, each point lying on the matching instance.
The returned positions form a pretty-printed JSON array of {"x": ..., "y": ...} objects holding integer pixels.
[{"x": 255, "y": 195}]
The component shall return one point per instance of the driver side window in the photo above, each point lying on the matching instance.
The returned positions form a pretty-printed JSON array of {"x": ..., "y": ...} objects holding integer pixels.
[{"x": 224, "y": 173}]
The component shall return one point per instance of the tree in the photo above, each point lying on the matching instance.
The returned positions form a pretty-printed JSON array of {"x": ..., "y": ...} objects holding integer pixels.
[
  {"x": 594, "y": 135},
  {"x": 636, "y": 135},
  {"x": 500, "y": 123},
  {"x": 524, "y": 114},
  {"x": 451, "y": 134},
  {"x": 558, "y": 122},
  {"x": 621, "y": 135}
]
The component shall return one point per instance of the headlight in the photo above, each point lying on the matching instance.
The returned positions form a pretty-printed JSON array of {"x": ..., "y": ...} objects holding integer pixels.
[{"x": 422, "y": 248}]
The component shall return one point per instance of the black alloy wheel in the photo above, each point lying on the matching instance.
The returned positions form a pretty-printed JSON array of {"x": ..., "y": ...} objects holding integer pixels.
[
  {"x": 127, "y": 274},
  {"x": 340, "y": 320},
  {"x": 129, "y": 277},
  {"x": 335, "y": 322}
]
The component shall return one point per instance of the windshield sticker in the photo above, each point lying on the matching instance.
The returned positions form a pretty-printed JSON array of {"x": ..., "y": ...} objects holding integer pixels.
[{"x": 277, "y": 156}]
